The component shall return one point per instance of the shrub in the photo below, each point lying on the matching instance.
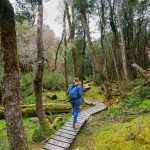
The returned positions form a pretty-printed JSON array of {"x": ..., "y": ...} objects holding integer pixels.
[
  {"x": 36, "y": 137},
  {"x": 127, "y": 86},
  {"x": 26, "y": 84},
  {"x": 29, "y": 100},
  {"x": 53, "y": 81},
  {"x": 115, "y": 110},
  {"x": 138, "y": 99}
]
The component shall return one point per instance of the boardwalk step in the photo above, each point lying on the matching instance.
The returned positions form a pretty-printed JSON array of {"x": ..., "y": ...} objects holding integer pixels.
[
  {"x": 59, "y": 143},
  {"x": 62, "y": 139},
  {"x": 53, "y": 147},
  {"x": 65, "y": 135}
]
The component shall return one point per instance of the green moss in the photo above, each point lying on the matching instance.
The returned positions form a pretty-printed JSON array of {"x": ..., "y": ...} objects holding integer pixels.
[
  {"x": 51, "y": 95},
  {"x": 133, "y": 135},
  {"x": 115, "y": 110},
  {"x": 46, "y": 128},
  {"x": 94, "y": 94},
  {"x": 29, "y": 100}
]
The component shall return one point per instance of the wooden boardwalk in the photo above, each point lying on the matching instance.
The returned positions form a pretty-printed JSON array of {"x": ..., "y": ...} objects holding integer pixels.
[{"x": 63, "y": 138}]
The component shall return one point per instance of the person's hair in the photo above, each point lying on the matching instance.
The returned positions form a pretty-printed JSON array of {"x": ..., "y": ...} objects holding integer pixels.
[{"x": 76, "y": 81}]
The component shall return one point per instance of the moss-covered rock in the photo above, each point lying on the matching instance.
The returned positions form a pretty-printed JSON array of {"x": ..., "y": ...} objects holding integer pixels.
[{"x": 51, "y": 95}]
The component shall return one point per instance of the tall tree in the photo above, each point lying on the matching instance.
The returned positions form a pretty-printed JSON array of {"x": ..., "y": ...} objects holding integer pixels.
[
  {"x": 71, "y": 23},
  {"x": 115, "y": 36},
  {"x": 15, "y": 130},
  {"x": 124, "y": 60},
  {"x": 65, "y": 46},
  {"x": 105, "y": 83},
  {"x": 44, "y": 122}
]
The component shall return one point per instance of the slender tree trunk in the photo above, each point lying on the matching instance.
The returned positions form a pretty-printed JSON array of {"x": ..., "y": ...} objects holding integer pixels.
[
  {"x": 114, "y": 38},
  {"x": 102, "y": 26},
  {"x": 65, "y": 48},
  {"x": 72, "y": 34},
  {"x": 44, "y": 122},
  {"x": 0, "y": 95},
  {"x": 124, "y": 60},
  {"x": 82, "y": 61},
  {"x": 105, "y": 84},
  {"x": 15, "y": 130}
]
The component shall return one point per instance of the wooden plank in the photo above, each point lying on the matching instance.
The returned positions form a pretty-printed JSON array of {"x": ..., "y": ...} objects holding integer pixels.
[
  {"x": 65, "y": 135},
  {"x": 53, "y": 147},
  {"x": 71, "y": 129},
  {"x": 67, "y": 131},
  {"x": 78, "y": 121},
  {"x": 59, "y": 143},
  {"x": 62, "y": 139},
  {"x": 70, "y": 125}
]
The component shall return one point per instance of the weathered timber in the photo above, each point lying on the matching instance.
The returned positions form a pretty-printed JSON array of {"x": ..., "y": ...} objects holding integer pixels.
[
  {"x": 52, "y": 147},
  {"x": 62, "y": 139},
  {"x": 59, "y": 143}
]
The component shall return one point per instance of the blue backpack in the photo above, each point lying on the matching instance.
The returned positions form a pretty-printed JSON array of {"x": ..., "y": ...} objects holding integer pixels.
[{"x": 73, "y": 92}]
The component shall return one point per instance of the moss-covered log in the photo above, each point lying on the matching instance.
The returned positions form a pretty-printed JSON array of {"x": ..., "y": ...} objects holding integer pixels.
[{"x": 30, "y": 110}]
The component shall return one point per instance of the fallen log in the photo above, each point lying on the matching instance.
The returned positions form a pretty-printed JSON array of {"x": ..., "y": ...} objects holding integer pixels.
[
  {"x": 30, "y": 110},
  {"x": 144, "y": 73}
]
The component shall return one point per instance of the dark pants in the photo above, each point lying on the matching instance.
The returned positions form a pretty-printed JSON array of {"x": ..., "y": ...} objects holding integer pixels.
[{"x": 75, "y": 108}]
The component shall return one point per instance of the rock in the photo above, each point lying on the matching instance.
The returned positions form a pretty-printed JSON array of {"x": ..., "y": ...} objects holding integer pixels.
[
  {"x": 86, "y": 81},
  {"x": 86, "y": 87},
  {"x": 51, "y": 95},
  {"x": 34, "y": 119}
]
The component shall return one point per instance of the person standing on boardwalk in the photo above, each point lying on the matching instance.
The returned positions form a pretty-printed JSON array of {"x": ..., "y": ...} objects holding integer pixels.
[{"x": 75, "y": 98}]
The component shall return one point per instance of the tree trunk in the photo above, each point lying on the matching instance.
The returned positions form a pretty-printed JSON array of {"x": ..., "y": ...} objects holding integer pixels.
[
  {"x": 72, "y": 33},
  {"x": 102, "y": 27},
  {"x": 148, "y": 52},
  {"x": 105, "y": 84},
  {"x": 0, "y": 95},
  {"x": 114, "y": 38},
  {"x": 15, "y": 130},
  {"x": 65, "y": 47},
  {"x": 82, "y": 61},
  {"x": 124, "y": 60},
  {"x": 44, "y": 122}
]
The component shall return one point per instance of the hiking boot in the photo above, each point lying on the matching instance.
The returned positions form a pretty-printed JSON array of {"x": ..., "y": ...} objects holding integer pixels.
[{"x": 73, "y": 125}]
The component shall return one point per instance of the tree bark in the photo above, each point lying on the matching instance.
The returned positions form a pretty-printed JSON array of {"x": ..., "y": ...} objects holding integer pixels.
[
  {"x": 124, "y": 60},
  {"x": 65, "y": 47},
  {"x": 82, "y": 61},
  {"x": 105, "y": 84},
  {"x": 0, "y": 95},
  {"x": 15, "y": 130},
  {"x": 114, "y": 38},
  {"x": 102, "y": 27},
  {"x": 72, "y": 35},
  {"x": 44, "y": 122},
  {"x": 148, "y": 52}
]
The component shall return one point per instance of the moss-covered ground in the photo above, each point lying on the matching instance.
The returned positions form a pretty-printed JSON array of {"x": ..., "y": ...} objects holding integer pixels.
[{"x": 123, "y": 126}]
